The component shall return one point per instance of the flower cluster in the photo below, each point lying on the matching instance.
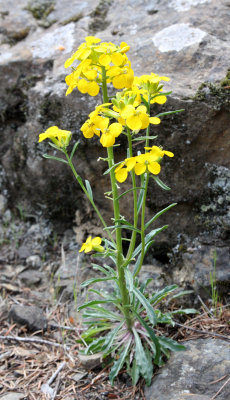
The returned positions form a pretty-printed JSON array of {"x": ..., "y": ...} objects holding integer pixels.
[
  {"x": 94, "y": 57},
  {"x": 147, "y": 162},
  {"x": 98, "y": 124},
  {"x": 58, "y": 136}
]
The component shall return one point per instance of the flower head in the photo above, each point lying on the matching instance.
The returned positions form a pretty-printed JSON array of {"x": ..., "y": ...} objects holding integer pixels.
[
  {"x": 94, "y": 56},
  {"x": 58, "y": 136},
  {"x": 92, "y": 244}
]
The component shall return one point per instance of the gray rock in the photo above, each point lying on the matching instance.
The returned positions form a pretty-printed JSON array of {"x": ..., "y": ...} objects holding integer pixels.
[
  {"x": 30, "y": 316},
  {"x": 90, "y": 361},
  {"x": 34, "y": 261},
  {"x": 7, "y": 217},
  {"x": 190, "y": 374},
  {"x": 13, "y": 396},
  {"x": 31, "y": 277},
  {"x": 3, "y": 204}
]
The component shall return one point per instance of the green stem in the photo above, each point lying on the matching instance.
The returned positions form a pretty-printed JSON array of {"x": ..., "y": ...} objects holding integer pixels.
[
  {"x": 147, "y": 129},
  {"x": 79, "y": 180},
  {"x": 135, "y": 215},
  {"x": 143, "y": 225},
  {"x": 120, "y": 259}
]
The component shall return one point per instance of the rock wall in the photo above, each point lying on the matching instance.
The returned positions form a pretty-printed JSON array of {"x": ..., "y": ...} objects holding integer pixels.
[{"x": 186, "y": 40}]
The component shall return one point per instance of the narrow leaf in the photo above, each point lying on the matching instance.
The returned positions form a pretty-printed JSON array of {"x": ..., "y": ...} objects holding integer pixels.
[
  {"x": 94, "y": 280},
  {"x": 144, "y": 363},
  {"x": 185, "y": 311},
  {"x": 128, "y": 191},
  {"x": 153, "y": 337},
  {"x": 55, "y": 158},
  {"x": 168, "y": 112},
  {"x": 159, "y": 296},
  {"x": 94, "y": 302},
  {"x": 160, "y": 183},
  {"x": 74, "y": 149},
  {"x": 149, "y": 309},
  {"x": 159, "y": 214},
  {"x": 89, "y": 189},
  {"x": 170, "y": 344},
  {"x": 119, "y": 363},
  {"x": 144, "y": 138},
  {"x": 129, "y": 279}
]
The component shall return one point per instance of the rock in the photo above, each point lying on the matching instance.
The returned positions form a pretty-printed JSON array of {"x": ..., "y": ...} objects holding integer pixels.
[
  {"x": 90, "y": 361},
  {"x": 3, "y": 204},
  {"x": 31, "y": 277},
  {"x": 7, "y": 217},
  {"x": 34, "y": 262},
  {"x": 13, "y": 396},
  {"x": 30, "y": 316},
  {"x": 192, "y": 373}
]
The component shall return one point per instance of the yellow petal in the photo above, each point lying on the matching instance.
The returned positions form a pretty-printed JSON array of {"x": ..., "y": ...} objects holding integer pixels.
[
  {"x": 82, "y": 86},
  {"x": 121, "y": 175},
  {"x": 119, "y": 82},
  {"x": 93, "y": 88},
  {"x": 130, "y": 162},
  {"x": 117, "y": 59},
  {"x": 168, "y": 153},
  {"x": 144, "y": 120},
  {"x": 140, "y": 168},
  {"x": 104, "y": 60},
  {"x": 154, "y": 120},
  {"x": 96, "y": 241},
  {"x": 134, "y": 123},
  {"x": 115, "y": 129},
  {"x": 127, "y": 111},
  {"x": 159, "y": 100},
  {"x": 154, "y": 168},
  {"x": 107, "y": 140}
]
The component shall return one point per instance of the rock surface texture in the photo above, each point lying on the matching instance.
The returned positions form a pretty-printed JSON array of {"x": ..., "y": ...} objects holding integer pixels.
[
  {"x": 194, "y": 374},
  {"x": 185, "y": 40}
]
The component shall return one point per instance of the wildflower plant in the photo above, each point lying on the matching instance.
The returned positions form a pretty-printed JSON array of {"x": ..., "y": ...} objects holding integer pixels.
[{"x": 121, "y": 325}]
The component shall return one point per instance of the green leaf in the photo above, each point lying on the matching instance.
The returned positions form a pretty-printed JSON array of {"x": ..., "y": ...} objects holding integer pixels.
[
  {"x": 55, "y": 158},
  {"x": 95, "y": 302},
  {"x": 129, "y": 279},
  {"x": 104, "y": 311},
  {"x": 109, "y": 339},
  {"x": 169, "y": 112},
  {"x": 182, "y": 293},
  {"x": 94, "y": 331},
  {"x": 74, "y": 149},
  {"x": 157, "y": 297},
  {"x": 160, "y": 183},
  {"x": 149, "y": 309},
  {"x": 144, "y": 138},
  {"x": 153, "y": 337},
  {"x": 89, "y": 189},
  {"x": 148, "y": 238},
  {"x": 118, "y": 364},
  {"x": 141, "y": 195},
  {"x": 159, "y": 214},
  {"x": 185, "y": 311},
  {"x": 170, "y": 344},
  {"x": 144, "y": 362},
  {"x": 94, "y": 280},
  {"x": 111, "y": 168},
  {"x": 127, "y": 191},
  {"x": 147, "y": 246},
  {"x": 95, "y": 346},
  {"x": 135, "y": 372}
]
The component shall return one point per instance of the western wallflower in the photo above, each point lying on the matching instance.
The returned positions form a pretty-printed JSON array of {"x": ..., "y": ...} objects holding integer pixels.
[
  {"x": 58, "y": 136},
  {"x": 146, "y": 162},
  {"x": 137, "y": 118},
  {"x": 92, "y": 244}
]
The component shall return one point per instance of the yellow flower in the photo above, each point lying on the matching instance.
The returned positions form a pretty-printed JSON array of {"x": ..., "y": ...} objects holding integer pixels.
[
  {"x": 158, "y": 153},
  {"x": 137, "y": 118},
  {"x": 110, "y": 133},
  {"x": 121, "y": 172},
  {"x": 146, "y": 162},
  {"x": 58, "y": 136},
  {"x": 92, "y": 244}
]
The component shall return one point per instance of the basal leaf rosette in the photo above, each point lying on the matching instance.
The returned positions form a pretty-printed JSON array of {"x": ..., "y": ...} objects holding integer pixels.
[{"x": 94, "y": 56}]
